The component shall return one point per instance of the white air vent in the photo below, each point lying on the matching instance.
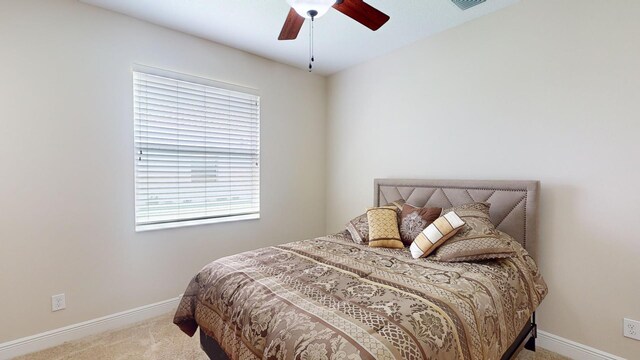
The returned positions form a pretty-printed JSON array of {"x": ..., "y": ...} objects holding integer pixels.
[{"x": 465, "y": 4}]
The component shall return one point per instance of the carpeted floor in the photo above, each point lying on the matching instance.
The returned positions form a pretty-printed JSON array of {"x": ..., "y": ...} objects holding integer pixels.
[{"x": 159, "y": 339}]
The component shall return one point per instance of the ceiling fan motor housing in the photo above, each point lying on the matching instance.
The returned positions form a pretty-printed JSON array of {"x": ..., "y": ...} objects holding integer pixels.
[{"x": 311, "y": 8}]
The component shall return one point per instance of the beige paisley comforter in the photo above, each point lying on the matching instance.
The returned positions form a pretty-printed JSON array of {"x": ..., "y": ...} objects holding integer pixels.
[{"x": 329, "y": 298}]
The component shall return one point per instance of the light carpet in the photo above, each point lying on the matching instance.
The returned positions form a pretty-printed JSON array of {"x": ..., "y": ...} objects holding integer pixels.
[{"x": 159, "y": 339}]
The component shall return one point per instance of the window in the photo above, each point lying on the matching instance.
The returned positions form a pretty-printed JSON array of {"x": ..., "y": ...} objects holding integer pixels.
[{"x": 197, "y": 150}]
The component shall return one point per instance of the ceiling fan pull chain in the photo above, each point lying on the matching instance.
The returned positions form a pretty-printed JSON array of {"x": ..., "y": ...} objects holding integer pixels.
[{"x": 311, "y": 57}]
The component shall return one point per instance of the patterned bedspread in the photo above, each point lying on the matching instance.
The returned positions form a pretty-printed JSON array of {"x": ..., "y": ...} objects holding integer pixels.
[{"x": 329, "y": 298}]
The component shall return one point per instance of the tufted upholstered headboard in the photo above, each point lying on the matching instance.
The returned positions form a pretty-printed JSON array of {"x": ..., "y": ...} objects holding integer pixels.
[{"x": 514, "y": 204}]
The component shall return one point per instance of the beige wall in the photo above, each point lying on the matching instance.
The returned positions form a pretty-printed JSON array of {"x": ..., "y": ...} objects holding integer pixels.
[
  {"x": 66, "y": 147},
  {"x": 544, "y": 89}
]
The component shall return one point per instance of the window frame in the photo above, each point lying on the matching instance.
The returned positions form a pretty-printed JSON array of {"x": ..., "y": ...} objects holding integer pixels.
[{"x": 204, "y": 82}]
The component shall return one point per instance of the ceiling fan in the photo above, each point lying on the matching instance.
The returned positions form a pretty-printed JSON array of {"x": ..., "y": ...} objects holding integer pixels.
[
  {"x": 300, "y": 10},
  {"x": 358, "y": 10}
]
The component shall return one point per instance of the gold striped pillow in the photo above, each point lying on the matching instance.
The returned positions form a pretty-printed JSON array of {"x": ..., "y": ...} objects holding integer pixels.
[
  {"x": 383, "y": 227},
  {"x": 435, "y": 234}
]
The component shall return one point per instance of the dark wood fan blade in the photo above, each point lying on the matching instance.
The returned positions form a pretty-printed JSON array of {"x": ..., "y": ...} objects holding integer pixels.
[
  {"x": 291, "y": 26},
  {"x": 363, "y": 13}
]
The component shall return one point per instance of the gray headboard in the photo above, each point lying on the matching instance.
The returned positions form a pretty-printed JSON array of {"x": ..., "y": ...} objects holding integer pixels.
[{"x": 514, "y": 204}]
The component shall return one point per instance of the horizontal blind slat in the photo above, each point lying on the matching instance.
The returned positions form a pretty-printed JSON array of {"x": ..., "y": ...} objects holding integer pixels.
[
  {"x": 183, "y": 107},
  {"x": 220, "y": 196},
  {"x": 190, "y": 87},
  {"x": 189, "y": 141},
  {"x": 192, "y": 98},
  {"x": 148, "y": 119},
  {"x": 237, "y": 118},
  {"x": 212, "y": 131}
]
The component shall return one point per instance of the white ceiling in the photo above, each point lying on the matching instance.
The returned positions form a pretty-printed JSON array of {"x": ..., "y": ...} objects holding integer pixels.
[{"x": 254, "y": 25}]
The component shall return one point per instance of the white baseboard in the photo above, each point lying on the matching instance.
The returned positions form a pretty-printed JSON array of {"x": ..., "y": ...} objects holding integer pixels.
[
  {"x": 59, "y": 336},
  {"x": 571, "y": 349}
]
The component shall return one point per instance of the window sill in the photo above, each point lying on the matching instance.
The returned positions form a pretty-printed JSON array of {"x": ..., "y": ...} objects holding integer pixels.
[{"x": 179, "y": 224}]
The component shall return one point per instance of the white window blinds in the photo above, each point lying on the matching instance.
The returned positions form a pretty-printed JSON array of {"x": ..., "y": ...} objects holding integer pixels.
[{"x": 197, "y": 151}]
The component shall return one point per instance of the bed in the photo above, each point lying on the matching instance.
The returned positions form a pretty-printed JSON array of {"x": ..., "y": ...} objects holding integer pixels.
[{"x": 330, "y": 298}]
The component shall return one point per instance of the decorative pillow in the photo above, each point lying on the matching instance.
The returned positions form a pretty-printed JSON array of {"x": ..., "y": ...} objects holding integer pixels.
[
  {"x": 435, "y": 234},
  {"x": 383, "y": 227},
  {"x": 342, "y": 235},
  {"x": 414, "y": 219},
  {"x": 358, "y": 228},
  {"x": 477, "y": 240},
  {"x": 398, "y": 204}
]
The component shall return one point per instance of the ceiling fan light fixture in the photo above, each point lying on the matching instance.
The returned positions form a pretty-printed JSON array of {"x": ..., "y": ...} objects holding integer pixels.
[{"x": 305, "y": 8}]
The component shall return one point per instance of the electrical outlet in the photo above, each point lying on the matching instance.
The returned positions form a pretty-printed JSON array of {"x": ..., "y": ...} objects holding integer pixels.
[
  {"x": 632, "y": 329},
  {"x": 58, "y": 302}
]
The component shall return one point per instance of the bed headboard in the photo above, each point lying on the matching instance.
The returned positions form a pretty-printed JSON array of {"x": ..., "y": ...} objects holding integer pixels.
[{"x": 514, "y": 204}]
